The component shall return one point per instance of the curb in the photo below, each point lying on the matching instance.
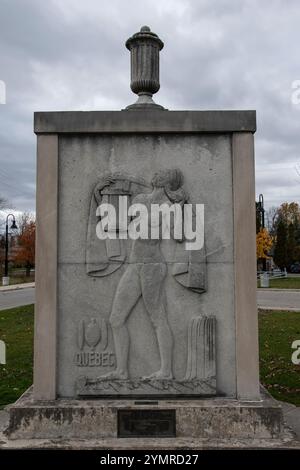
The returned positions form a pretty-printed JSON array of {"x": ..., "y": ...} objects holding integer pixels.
[
  {"x": 17, "y": 287},
  {"x": 272, "y": 289},
  {"x": 284, "y": 309}
]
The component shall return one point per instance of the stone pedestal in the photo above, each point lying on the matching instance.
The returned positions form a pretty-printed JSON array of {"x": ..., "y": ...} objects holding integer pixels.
[
  {"x": 198, "y": 423},
  {"x": 86, "y": 290}
]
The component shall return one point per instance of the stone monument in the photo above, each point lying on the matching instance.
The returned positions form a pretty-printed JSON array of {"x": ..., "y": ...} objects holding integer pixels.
[{"x": 145, "y": 337}]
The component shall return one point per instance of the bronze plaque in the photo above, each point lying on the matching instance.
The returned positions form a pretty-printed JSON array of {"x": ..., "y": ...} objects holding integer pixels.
[{"x": 146, "y": 423}]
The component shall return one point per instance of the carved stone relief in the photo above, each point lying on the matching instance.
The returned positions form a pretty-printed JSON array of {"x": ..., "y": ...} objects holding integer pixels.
[
  {"x": 144, "y": 278},
  {"x": 92, "y": 339},
  {"x": 201, "y": 360}
]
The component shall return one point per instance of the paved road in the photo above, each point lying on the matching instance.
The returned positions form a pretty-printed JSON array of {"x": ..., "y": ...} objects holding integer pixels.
[
  {"x": 15, "y": 298},
  {"x": 274, "y": 298},
  {"x": 277, "y": 299}
]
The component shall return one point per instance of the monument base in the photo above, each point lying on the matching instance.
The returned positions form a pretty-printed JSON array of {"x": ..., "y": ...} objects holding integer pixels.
[{"x": 120, "y": 424}]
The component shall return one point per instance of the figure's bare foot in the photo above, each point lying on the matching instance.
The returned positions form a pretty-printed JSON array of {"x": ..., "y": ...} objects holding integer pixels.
[
  {"x": 114, "y": 375},
  {"x": 160, "y": 375}
]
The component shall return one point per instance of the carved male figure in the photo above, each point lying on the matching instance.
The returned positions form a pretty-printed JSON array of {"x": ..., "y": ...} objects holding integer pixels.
[
  {"x": 146, "y": 271},
  {"x": 144, "y": 277}
]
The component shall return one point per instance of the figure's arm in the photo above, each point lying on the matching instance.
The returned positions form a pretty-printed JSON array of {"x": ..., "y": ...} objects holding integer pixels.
[{"x": 102, "y": 183}]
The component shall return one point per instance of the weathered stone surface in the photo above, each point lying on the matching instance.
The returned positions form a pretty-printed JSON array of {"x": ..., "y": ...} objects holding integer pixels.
[
  {"x": 148, "y": 387},
  {"x": 213, "y": 419},
  {"x": 286, "y": 442},
  {"x": 205, "y": 162},
  {"x": 152, "y": 121}
]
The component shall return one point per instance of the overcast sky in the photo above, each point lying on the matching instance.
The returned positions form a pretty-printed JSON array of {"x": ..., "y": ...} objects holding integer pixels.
[{"x": 222, "y": 54}]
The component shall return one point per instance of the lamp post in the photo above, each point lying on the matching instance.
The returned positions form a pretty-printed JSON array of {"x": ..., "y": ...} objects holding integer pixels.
[
  {"x": 5, "y": 279},
  {"x": 261, "y": 211}
]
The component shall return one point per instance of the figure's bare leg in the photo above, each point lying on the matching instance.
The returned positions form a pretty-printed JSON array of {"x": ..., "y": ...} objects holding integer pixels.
[
  {"x": 121, "y": 340},
  {"x": 165, "y": 345},
  {"x": 152, "y": 280},
  {"x": 127, "y": 295}
]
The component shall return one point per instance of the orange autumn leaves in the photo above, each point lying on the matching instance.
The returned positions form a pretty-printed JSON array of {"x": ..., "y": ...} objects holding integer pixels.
[
  {"x": 26, "y": 244},
  {"x": 264, "y": 243}
]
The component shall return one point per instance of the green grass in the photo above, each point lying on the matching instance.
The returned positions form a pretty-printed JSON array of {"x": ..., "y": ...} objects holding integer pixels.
[
  {"x": 16, "y": 330},
  {"x": 277, "y": 332},
  {"x": 284, "y": 283}
]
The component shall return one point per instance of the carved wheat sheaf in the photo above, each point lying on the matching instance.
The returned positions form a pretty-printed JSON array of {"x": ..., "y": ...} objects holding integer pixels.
[{"x": 201, "y": 361}]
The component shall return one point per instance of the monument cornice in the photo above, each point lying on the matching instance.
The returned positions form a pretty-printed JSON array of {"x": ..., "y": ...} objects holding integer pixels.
[{"x": 149, "y": 122}]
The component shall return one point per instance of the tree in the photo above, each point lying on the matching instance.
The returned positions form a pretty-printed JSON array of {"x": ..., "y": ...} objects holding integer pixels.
[
  {"x": 264, "y": 243},
  {"x": 280, "y": 251},
  {"x": 271, "y": 216},
  {"x": 287, "y": 228},
  {"x": 25, "y": 252},
  {"x": 289, "y": 213},
  {"x": 3, "y": 203},
  {"x": 293, "y": 246}
]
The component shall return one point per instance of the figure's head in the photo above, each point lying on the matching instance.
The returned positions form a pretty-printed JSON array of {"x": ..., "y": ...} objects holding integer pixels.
[
  {"x": 168, "y": 179},
  {"x": 171, "y": 181}
]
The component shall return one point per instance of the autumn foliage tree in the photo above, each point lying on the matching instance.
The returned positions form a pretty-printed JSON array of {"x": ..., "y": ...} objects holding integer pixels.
[
  {"x": 25, "y": 254},
  {"x": 289, "y": 213},
  {"x": 264, "y": 243}
]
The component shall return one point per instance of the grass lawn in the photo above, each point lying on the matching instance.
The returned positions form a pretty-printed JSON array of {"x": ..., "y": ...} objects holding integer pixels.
[
  {"x": 277, "y": 332},
  {"x": 16, "y": 330},
  {"x": 284, "y": 283}
]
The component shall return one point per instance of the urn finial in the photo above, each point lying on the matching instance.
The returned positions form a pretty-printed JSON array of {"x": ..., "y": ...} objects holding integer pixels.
[{"x": 144, "y": 48}]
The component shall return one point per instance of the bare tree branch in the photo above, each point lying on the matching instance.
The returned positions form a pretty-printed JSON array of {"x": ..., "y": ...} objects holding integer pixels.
[{"x": 3, "y": 203}]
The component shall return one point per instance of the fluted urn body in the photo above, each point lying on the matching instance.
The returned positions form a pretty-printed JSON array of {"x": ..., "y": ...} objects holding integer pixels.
[{"x": 144, "y": 48}]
